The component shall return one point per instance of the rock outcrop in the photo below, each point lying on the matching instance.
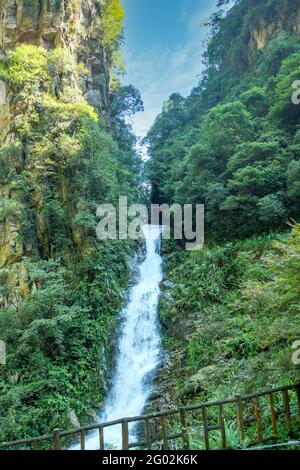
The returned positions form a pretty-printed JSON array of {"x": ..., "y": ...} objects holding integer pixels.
[{"x": 54, "y": 23}]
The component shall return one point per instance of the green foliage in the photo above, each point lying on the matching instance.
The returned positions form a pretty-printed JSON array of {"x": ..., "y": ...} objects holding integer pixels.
[
  {"x": 286, "y": 266},
  {"x": 277, "y": 50},
  {"x": 231, "y": 145},
  {"x": 61, "y": 331},
  {"x": 126, "y": 101},
  {"x": 256, "y": 101},
  {"x": 284, "y": 109},
  {"x": 112, "y": 18},
  {"x": 8, "y": 152},
  {"x": 64, "y": 72},
  {"x": 294, "y": 185},
  {"x": 235, "y": 310}
]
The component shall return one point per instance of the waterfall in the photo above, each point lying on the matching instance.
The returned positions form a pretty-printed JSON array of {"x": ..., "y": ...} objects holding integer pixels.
[{"x": 139, "y": 349}]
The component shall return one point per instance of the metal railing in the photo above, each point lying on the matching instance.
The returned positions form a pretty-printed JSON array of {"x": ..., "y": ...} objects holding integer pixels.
[{"x": 242, "y": 421}]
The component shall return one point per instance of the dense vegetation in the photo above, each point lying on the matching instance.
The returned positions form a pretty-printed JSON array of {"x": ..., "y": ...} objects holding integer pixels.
[
  {"x": 61, "y": 292},
  {"x": 233, "y": 145},
  {"x": 237, "y": 304}
]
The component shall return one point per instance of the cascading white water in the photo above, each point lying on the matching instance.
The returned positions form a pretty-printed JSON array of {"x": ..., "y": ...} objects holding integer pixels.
[{"x": 139, "y": 347}]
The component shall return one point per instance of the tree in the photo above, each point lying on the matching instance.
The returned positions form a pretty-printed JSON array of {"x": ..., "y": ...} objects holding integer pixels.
[{"x": 126, "y": 101}]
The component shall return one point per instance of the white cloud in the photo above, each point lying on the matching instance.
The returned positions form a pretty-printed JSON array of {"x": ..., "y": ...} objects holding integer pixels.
[{"x": 161, "y": 71}]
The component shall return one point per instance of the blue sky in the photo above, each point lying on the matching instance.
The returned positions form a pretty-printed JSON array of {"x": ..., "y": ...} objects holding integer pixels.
[{"x": 164, "y": 42}]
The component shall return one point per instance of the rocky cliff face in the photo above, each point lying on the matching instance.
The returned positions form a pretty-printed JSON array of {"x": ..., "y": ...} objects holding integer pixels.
[
  {"x": 75, "y": 26},
  {"x": 288, "y": 21},
  {"x": 60, "y": 287}
]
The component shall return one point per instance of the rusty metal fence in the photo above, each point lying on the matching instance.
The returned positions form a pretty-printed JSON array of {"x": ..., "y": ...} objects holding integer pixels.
[{"x": 242, "y": 421}]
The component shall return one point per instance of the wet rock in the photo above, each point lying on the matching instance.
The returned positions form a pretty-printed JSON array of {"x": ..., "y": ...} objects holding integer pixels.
[{"x": 11, "y": 247}]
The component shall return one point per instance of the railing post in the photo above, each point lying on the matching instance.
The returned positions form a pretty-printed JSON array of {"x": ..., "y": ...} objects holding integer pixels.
[
  {"x": 164, "y": 427},
  {"x": 205, "y": 428},
  {"x": 125, "y": 435},
  {"x": 258, "y": 420},
  {"x": 82, "y": 440},
  {"x": 273, "y": 415},
  {"x": 298, "y": 401},
  {"x": 35, "y": 445},
  {"x": 185, "y": 430},
  {"x": 101, "y": 438},
  {"x": 56, "y": 442},
  {"x": 147, "y": 434},
  {"x": 240, "y": 417},
  {"x": 287, "y": 411}
]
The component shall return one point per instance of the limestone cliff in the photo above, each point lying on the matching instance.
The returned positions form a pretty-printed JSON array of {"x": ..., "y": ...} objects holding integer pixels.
[
  {"x": 288, "y": 20},
  {"x": 60, "y": 287},
  {"x": 253, "y": 24}
]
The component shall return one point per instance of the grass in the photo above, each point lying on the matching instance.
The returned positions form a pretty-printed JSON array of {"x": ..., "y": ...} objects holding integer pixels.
[{"x": 232, "y": 318}]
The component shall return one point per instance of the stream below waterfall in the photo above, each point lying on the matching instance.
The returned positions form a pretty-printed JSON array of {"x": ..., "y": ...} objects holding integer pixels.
[{"x": 139, "y": 349}]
